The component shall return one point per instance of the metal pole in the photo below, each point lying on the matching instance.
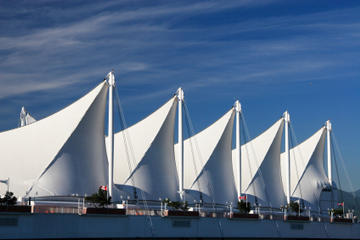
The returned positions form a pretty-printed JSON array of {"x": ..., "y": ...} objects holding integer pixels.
[
  {"x": 287, "y": 154},
  {"x": 111, "y": 81},
  {"x": 328, "y": 131},
  {"x": 237, "y": 107},
  {"x": 180, "y": 96}
]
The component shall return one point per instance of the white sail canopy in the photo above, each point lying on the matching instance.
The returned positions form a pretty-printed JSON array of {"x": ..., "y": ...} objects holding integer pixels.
[
  {"x": 65, "y": 154},
  {"x": 144, "y": 154},
  {"x": 207, "y": 161},
  {"x": 307, "y": 174},
  {"x": 260, "y": 171},
  {"x": 62, "y": 154}
]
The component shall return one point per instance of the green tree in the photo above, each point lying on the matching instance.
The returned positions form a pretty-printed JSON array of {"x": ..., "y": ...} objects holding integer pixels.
[
  {"x": 100, "y": 198},
  {"x": 295, "y": 207},
  {"x": 8, "y": 200},
  {"x": 336, "y": 212},
  {"x": 176, "y": 204},
  {"x": 244, "y": 207}
]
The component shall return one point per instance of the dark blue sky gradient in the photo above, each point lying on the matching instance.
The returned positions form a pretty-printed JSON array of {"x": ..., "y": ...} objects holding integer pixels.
[{"x": 301, "y": 56}]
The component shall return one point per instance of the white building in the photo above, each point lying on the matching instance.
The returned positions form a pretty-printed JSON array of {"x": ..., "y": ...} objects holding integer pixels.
[{"x": 65, "y": 154}]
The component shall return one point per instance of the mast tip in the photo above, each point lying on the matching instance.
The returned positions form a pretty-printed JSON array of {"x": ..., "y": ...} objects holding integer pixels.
[
  {"x": 180, "y": 94},
  {"x": 328, "y": 125},
  {"x": 237, "y": 106},
  {"x": 111, "y": 78},
  {"x": 286, "y": 116}
]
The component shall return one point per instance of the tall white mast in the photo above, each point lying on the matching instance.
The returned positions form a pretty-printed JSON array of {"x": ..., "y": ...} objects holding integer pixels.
[
  {"x": 237, "y": 107},
  {"x": 22, "y": 117},
  {"x": 286, "y": 116},
  {"x": 110, "y": 152},
  {"x": 180, "y": 96},
  {"x": 328, "y": 131}
]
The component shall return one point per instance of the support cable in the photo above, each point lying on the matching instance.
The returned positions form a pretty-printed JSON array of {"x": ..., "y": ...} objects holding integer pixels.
[
  {"x": 129, "y": 145},
  {"x": 247, "y": 138},
  {"x": 340, "y": 189},
  {"x": 293, "y": 136},
  {"x": 197, "y": 149},
  {"x": 302, "y": 159},
  {"x": 252, "y": 148},
  {"x": 293, "y": 144},
  {"x": 247, "y": 135},
  {"x": 191, "y": 131},
  {"x": 190, "y": 134},
  {"x": 337, "y": 148}
]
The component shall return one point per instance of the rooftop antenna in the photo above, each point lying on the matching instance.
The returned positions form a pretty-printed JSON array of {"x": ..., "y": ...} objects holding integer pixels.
[{"x": 110, "y": 153}]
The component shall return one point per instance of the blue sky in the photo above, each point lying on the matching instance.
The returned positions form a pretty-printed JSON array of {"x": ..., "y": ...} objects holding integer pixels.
[{"x": 301, "y": 56}]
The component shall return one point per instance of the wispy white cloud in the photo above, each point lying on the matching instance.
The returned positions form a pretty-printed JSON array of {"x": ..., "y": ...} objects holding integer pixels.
[
  {"x": 65, "y": 35},
  {"x": 29, "y": 86},
  {"x": 142, "y": 41}
]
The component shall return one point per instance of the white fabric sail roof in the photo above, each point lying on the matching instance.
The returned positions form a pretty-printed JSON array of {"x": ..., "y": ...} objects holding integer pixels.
[
  {"x": 61, "y": 154},
  {"x": 207, "y": 161},
  {"x": 260, "y": 172},
  {"x": 144, "y": 155},
  {"x": 307, "y": 173}
]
